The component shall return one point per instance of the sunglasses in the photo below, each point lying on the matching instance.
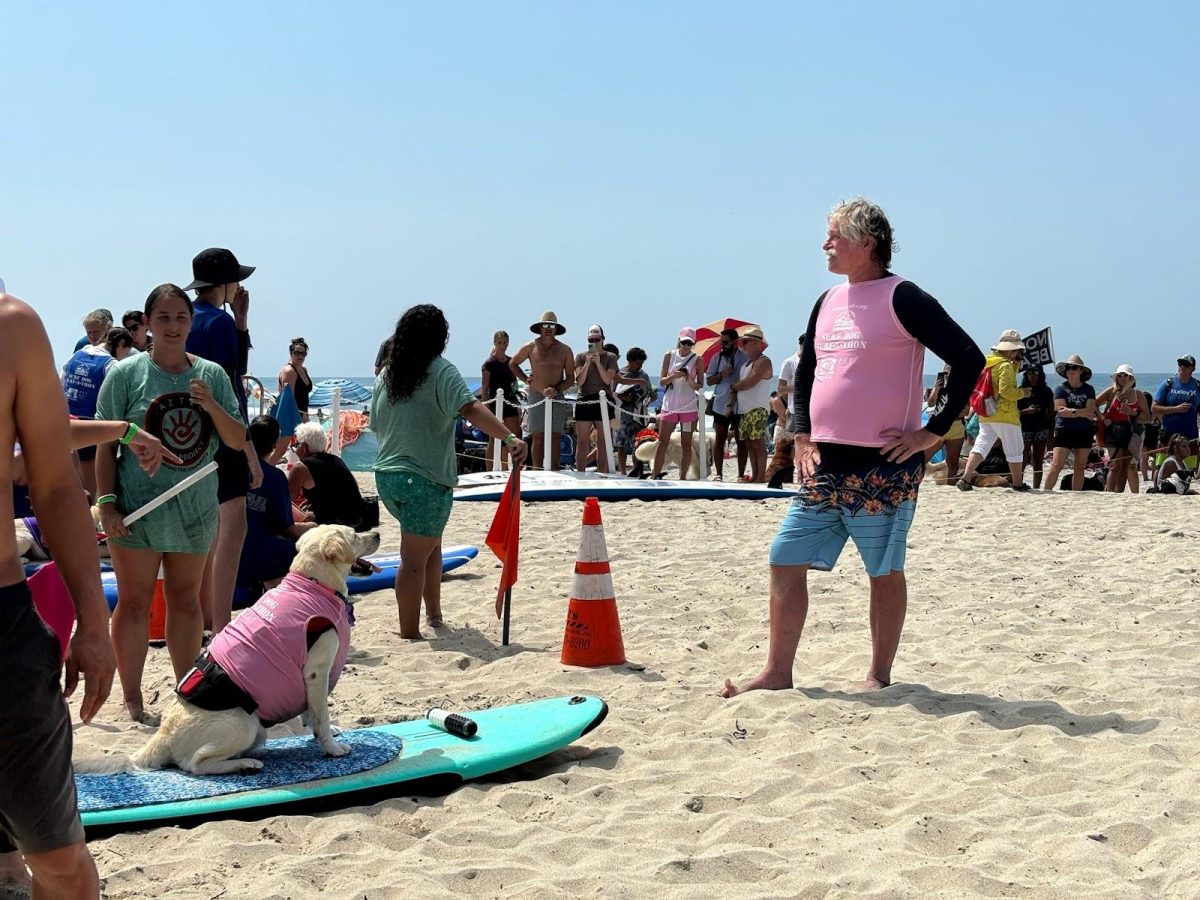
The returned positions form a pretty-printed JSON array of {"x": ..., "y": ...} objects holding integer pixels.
[
  {"x": 299, "y": 353},
  {"x": 1122, "y": 375},
  {"x": 686, "y": 343},
  {"x": 1073, "y": 368}
]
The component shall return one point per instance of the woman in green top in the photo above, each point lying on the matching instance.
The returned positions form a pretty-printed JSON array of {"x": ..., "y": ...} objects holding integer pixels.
[
  {"x": 186, "y": 402},
  {"x": 417, "y": 399}
]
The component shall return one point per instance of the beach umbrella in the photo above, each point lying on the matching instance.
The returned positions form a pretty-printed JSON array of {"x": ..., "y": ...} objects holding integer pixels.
[
  {"x": 352, "y": 392},
  {"x": 708, "y": 337}
]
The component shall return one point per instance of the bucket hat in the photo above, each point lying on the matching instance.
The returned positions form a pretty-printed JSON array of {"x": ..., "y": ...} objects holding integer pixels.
[
  {"x": 754, "y": 332},
  {"x": 1009, "y": 340},
  {"x": 214, "y": 266}
]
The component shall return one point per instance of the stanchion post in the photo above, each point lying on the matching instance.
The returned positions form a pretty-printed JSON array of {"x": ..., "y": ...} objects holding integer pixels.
[
  {"x": 701, "y": 438},
  {"x": 497, "y": 447},
  {"x": 605, "y": 433},
  {"x": 335, "y": 429},
  {"x": 547, "y": 459}
]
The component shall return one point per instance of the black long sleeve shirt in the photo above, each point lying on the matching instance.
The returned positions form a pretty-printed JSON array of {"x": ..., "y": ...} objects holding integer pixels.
[{"x": 925, "y": 319}]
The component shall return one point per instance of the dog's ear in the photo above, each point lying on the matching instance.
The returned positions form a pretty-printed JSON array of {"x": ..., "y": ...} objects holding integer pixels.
[{"x": 336, "y": 546}]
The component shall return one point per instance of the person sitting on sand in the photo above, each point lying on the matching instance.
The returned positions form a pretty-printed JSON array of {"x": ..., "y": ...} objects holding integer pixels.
[
  {"x": 323, "y": 480},
  {"x": 1173, "y": 475},
  {"x": 271, "y": 529},
  {"x": 859, "y": 440}
]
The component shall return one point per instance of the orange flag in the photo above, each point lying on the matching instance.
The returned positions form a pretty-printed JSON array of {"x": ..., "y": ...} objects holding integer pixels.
[{"x": 504, "y": 537}]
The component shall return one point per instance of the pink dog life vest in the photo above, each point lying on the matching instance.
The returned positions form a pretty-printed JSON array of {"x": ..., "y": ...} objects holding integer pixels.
[
  {"x": 868, "y": 375},
  {"x": 264, "y": 649}
]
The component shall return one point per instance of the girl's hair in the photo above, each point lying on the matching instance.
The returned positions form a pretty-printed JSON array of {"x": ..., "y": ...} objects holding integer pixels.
[
  {"x": 163, "y": 291},
  {"x": 499, "y": 336},
  {"x": 1025, "y": 375},
  {"x": 297, "y": 342},
  {"x": 117, "y": 337},
  {"x": 420, "y": 338}
]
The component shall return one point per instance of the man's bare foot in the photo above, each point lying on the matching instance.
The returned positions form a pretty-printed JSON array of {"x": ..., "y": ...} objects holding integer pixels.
[
  {"x": 137, "y": 713},
  {"x": 762, "y": 682},
  {"x": 875, "y": 683},
  {"x": 14, "y": 874}
]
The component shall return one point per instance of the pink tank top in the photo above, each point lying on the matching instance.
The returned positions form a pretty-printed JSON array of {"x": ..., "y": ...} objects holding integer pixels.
[
  {"x": 868, "y": 375},
  {"x": 264, "y": 648}
]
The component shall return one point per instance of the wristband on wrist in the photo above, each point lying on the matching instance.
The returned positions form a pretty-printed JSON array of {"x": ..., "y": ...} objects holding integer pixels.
[
  {"x": 129, "y": 434},
  {"x": 105, "y": 499},
  {"x": 508, "y": 439}
]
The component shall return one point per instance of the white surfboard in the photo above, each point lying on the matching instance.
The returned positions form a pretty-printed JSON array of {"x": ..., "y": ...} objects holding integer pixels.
[{"x": 537, "y": 485}]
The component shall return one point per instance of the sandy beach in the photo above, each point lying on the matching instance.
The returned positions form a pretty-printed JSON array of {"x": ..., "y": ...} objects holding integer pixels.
[{"x": 1041, "y": 740}]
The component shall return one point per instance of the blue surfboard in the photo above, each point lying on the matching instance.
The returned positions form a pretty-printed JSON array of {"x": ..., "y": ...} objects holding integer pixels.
[
  {"x": 296, "y": 774},
  {"x": 452, "y": 558}
]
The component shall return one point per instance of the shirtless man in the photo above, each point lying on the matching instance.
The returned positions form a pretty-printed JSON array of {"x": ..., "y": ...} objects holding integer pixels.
[
  {"x": 38, "y": 812},
  {"x": 553, "y": 371}
]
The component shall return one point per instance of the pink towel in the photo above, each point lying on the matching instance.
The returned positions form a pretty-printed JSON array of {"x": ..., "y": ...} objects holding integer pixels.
[{"x": 53, "y": 602}]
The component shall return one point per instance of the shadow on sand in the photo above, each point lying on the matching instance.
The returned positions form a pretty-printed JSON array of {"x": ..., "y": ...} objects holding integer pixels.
[{"x": 995, "y": 711}]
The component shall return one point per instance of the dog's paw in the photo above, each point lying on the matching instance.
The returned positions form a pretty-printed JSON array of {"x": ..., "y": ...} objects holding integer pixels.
[
  {"x": 334, "y": 730},
  {"x": 250, "y": 765},
  {"x": 333, "y": 748}
]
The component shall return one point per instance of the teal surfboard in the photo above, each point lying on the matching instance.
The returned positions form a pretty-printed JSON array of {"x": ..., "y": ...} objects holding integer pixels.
[{"x": 416, "y": 752}]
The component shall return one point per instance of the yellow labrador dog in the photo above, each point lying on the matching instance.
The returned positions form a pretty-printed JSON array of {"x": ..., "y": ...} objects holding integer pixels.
[
  {"x": 277, "y": 660},
  {"x": 644, "y": 453}
]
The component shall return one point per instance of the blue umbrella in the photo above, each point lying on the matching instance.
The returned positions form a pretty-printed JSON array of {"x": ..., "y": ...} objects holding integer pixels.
[{"x": 352, "y": 392}]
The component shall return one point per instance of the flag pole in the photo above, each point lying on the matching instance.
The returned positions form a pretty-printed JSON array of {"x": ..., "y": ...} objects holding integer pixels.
[{"x": 507, "y": 610}]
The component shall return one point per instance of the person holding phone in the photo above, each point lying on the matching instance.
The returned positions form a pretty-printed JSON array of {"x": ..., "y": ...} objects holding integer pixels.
[{"x": 595, "y": 371}]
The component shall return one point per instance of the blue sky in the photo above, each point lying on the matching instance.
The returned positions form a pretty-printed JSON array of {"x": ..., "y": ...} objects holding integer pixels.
[{"x": 643, "y": 165}]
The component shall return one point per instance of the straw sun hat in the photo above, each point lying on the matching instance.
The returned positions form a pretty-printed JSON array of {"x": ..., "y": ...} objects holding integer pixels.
[
  {"x": 1073, "y": 360},
  {"x": 548, "y": 318}
]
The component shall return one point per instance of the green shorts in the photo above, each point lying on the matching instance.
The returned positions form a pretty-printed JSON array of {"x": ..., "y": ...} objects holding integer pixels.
[
  {"x": 753, "y": 424},
  {"x": 421, "y": 506}
]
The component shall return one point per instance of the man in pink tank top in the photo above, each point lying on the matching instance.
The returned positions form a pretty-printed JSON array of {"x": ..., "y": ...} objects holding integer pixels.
[{"x": 859, "y": 445}]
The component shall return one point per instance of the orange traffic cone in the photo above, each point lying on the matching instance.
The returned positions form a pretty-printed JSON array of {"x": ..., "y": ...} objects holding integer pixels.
[
  {"x": 593, "y": 635},
  {"x": 158, "y": 613}
]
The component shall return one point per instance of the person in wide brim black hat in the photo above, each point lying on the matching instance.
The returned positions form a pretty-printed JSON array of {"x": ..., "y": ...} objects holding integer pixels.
[
  {"x": 217, "y": 277},
  {"x": 216, "y": 266}
]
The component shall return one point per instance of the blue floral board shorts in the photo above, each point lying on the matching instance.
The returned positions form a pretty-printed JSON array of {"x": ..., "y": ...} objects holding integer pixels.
[
  {"x": 874, "y": 505},
  {"x": 421, "y": 506}
]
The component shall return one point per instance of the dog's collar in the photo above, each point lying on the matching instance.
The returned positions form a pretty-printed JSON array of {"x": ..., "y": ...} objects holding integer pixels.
[{"x": 349, "y": 606}]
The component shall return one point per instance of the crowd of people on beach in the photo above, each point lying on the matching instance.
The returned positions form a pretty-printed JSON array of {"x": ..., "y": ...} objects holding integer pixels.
[{"x": 151, "y": 403}]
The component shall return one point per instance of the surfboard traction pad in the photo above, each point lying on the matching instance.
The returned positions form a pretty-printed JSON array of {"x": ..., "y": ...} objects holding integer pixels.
[{"x": 287, "y": 761}]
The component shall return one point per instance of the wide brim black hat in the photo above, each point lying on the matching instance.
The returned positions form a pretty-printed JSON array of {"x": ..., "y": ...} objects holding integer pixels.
[{"x": 216, "y": 265}]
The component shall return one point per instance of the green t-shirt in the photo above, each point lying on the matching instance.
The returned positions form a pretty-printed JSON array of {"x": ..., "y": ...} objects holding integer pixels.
[
  {"x": 417, "y": 434},
  {"x": 136, "y": 390}
]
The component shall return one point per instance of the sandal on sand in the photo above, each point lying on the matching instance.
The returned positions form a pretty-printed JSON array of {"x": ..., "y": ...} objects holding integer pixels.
[{"x": 963, "y": 485}]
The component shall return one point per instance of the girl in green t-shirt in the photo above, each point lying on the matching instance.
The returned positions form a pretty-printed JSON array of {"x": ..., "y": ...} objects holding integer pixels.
[{"x": 187, "y": 403}]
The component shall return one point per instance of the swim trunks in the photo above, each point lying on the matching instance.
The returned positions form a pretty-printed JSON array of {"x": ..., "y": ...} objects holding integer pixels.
[
  {"x": 38, "y": 811},
  {"x": 752, "y": 424},
  {"x": 421, "y": 506},
  {"x": 558, "y": 420},
  {"x": 870, "y": 500}
]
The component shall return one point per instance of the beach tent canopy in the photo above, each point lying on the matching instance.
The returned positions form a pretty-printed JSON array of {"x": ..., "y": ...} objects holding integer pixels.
[{"x": 352, "y": 392}]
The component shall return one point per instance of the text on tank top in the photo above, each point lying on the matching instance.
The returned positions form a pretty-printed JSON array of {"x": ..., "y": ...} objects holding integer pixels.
[{"x": 869, "y": 368}]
